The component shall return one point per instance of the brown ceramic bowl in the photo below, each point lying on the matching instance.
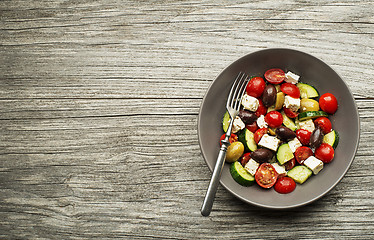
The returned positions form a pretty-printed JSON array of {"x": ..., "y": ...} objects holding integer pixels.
[{"x": 312, "y": 71}]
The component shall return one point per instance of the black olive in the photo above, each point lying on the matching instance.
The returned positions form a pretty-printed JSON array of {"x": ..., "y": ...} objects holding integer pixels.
[
  {"x": 262, "y": 155},
  {"x": 285, "y": 133},
  {"x": 247, "y": 117},
  {"x": 269, "y": 95},
  {"x": 316, "y": 138}
]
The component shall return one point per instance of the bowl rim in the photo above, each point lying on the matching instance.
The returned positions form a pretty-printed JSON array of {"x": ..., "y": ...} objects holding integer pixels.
[{"x": 264, "y": 205}]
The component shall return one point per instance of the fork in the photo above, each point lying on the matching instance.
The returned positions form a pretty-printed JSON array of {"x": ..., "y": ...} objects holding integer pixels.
[{"x": 233, "y": 105}]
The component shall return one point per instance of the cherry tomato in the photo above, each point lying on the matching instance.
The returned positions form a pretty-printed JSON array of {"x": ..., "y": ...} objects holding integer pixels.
[
  {"x": 302, "y": 153},
  {"x": 233, "y": 138},
  {"x": 261, "y": 110},
  {"x": 324, "y": 123},
  {"x": 285, "y": 185},
  {"x": 304, "y": 136},
  {"x": 259, "y": 133},
  {"x": 252, "y": 127},
  {"x": 266, "y": 176},
  {"x": 274, "y": 119},
  {"x": 289, "y": 113},
  {"x": 325, "y": 153},
  {"x": 290, "y": 89},
  {"x": 275, "y": 75},
  {"x": 290, "y": 164},
  {"x": 256, "y": 87},
  {"x": 328, "y": 103},
  {"x": 245, "y": 158}
]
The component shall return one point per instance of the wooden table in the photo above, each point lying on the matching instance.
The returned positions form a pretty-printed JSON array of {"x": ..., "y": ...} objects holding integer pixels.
[{"x": 99, "y": 106}]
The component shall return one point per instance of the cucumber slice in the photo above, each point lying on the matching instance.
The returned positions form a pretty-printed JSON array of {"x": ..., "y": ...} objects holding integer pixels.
[
  {"x": 307, "y": 91},
  {"x": 240, "y": 175},
  {"x": 311, "y": 114},
  {"x": 288, "y": 122},
  {"x": 332, "y": 138},
  {"x": 247, "y": 138},
  {"x": 284, "y": 153},
  {"x": 300, "y": 174},
  {"x": 226, "y": 121}
]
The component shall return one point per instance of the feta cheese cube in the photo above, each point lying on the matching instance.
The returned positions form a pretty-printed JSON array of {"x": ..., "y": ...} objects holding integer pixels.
[
  {"x": 281, "y": 170},
  {"x": 250, "y": 103},
  {"x": 251, "y": 166},
  {"x": 307, "y": 125},
  {"x": 261, "y": 123},
  {"x": 292, "y": 103},
  {"x": 237, "y": 125},
  {"x": 294, "y": 144},
  {"x": 292, "y": 77},
  {"x": 313, "y": 164},
  {"x": 269, "y": 142}
]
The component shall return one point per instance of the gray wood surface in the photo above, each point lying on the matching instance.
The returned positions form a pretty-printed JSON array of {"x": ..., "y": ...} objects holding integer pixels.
[{"x": 99, "y": 103}]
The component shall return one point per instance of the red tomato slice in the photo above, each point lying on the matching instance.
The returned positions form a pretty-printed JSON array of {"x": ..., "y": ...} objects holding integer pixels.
[
  {"x": 261, "y": 110},
  {"x": 274, "y": 119},
  {"x": 304, "y": 136},
  {"x": 266, "y": 176},
  {"x": 256, "y": 87},
  {"x": 259, "y": 133},
  {"x": 275, "y": 75},
  {"x": 289, "y": 113},
  {"x": 252, "y": 127},
  {"x": 325, "y": 153},
  {"x": 285, "y": 185},
  {"x": 233, "y": 138},
  {"x": 324, "y": 123},
  {"x": 302, "y": 153},
  {"x": 290, "y": 89},
  {"x": 328, "y": 103},
  {"x": 245, "y": 158}
]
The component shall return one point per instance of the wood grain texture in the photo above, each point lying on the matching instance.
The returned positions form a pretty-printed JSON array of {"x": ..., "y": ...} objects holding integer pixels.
[{"x": 99, "y": 103}]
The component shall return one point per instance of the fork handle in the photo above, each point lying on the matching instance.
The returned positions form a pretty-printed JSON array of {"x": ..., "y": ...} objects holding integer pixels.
[{"x": 213, "y": 185}]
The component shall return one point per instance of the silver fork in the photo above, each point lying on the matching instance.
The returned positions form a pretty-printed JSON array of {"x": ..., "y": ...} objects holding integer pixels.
[{"x": 232, "y": 106}]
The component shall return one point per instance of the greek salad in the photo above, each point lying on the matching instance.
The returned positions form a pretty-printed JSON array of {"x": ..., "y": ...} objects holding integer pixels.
[{"x": 282, "y": 134}]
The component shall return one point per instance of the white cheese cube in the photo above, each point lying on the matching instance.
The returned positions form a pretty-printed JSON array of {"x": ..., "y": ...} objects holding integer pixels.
[
  {"x": 281, "y": 170},
  {"x": 237, "y": 125},
  {"x": 261, "y": 123},
  {"x": 269, "y": 142},
  {"x": 307, "y": 125},
  {"x": 292, "y": 77},
  {"x": 250, "y": 103},
  {"x": 251, "y": 166},
  {"x": 313, "y": 164},
  {"x": 294, "y": 144},
  {"x": 292, "y": 103}
]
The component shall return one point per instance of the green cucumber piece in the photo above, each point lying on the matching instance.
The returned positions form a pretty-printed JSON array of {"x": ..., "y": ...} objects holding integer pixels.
[
  {"x": 226, "y": 121},
  {"x": 288, "y": 122},
  {"x": 247, "y": 138},
  {"x": 284, "y": 153},
  {"x": 332, "y": 138},
  {"x": 240, "y": 175},
  {"x": 300, "y": 174},
  {"x": 311, "y": 114},
  {"x": 307, "y": 91}
]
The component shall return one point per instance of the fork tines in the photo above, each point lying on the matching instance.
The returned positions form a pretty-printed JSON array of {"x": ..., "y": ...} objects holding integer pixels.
[{"x": 237, "y": 91}]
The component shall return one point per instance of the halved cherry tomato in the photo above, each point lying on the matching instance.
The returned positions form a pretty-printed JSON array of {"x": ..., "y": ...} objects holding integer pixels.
[
  {"x": 266, "y": 176},
  {"x": 290, "y": 164},
  {"x": 328, "y": 103},
  {"x": 261, "y": 110},
  {"x": 304, "y": 136},
  {"x": 256, "y": 87},
  {"x": 259, "y": 133},
  {"x": 290, "y": 89},
  {"x": 275, "y": 75},
  {"x": 289, "y": 113},
  {"x": 233, "y": 138},
  {"x": 302, "y": 153},
  {"x": 245, "y": 158},
  {"x": 252, "y": 127},
  {"x": 324, "y": 123},
  {"x": 325, "y": 153},
  {"x": 274, "y": 119},
  {"x": 285, "y": 185}
]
